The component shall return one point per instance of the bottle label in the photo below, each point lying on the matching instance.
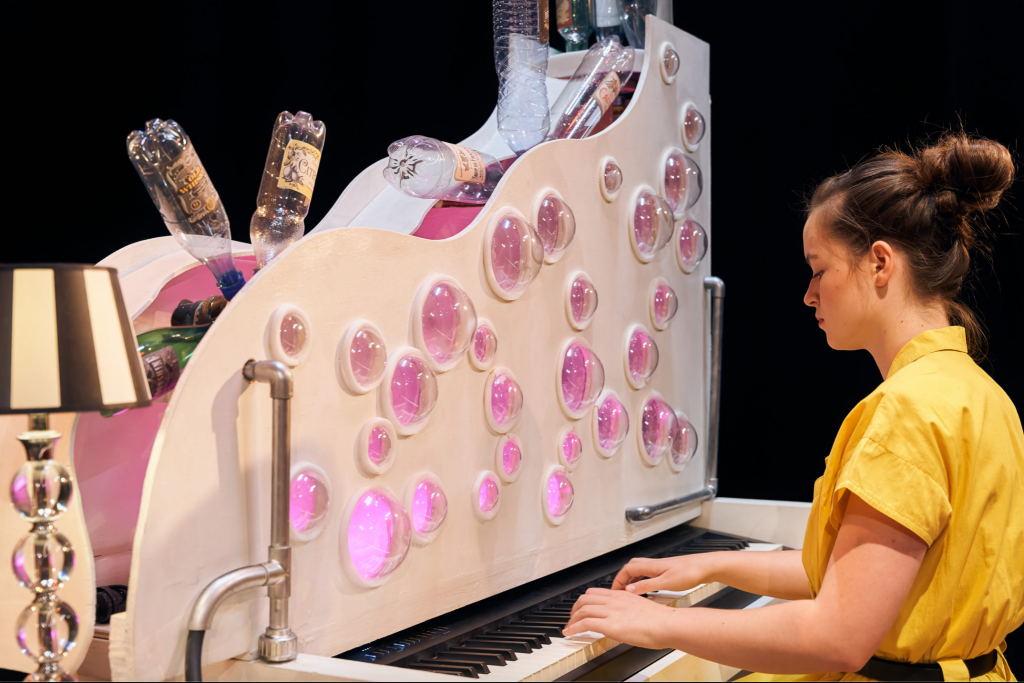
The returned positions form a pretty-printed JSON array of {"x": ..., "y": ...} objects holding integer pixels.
[
  {"x": 469, "y": 165},
  {"x": 563, "y": 14},
  {"x": 544, "y": 23},
  {"x": 607, "y": 91},
  {"x": 191, "y": 186},
  {"x": 298, "y": 168},
  {"x": 162, "y": 370},
  {"x": 607, "y": 13}
]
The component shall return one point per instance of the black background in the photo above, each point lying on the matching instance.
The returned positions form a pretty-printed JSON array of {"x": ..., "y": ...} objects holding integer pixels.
[{"x": 801, "y": 90}]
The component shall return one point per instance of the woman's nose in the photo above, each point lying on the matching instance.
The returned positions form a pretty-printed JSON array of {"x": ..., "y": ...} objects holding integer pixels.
[{"x": 811, "y": 295}]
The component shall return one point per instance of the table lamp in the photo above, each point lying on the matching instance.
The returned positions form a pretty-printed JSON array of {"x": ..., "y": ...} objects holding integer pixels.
[{"x": 66, "y": 345}]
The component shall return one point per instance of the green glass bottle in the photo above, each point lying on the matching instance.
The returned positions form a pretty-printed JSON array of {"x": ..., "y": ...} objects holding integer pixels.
[
  {"x": 573, "y": 20},
  {"x": 165, "y": 352}
]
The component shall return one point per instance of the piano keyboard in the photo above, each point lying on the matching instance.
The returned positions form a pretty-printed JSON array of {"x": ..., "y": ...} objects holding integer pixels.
[{"x": 517, "y": 635}]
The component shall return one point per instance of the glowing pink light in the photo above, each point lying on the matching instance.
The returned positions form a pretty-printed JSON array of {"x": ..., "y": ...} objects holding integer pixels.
[
  {"x": 582, "y": 377},
  {"x": 559, "y": 494},
  {"x": 489, "y": 492}
]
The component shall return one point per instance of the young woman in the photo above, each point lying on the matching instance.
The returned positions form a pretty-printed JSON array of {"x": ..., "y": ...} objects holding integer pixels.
[{"x": 913, "y": 560}]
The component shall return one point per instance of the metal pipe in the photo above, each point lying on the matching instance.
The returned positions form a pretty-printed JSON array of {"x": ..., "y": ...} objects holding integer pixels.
[
  {"x": 644, "y": 512},
  {"x": 278, "y": 643},
  {"x": 223, "y": 587}
]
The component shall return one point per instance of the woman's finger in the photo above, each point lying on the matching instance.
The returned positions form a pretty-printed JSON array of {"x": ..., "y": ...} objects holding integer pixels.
[
  {"x": 635, "y": 569},
  {"x": 582, "y": 626},
  {"x": 645, "y": 586}
]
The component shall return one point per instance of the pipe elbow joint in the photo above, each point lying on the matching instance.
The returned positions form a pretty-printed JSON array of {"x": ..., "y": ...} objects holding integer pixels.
[{"x": 272, "y": 372}]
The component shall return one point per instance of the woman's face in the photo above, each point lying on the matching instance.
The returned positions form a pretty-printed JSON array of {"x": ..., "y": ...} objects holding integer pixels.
[{"x": 839, "y": 293}]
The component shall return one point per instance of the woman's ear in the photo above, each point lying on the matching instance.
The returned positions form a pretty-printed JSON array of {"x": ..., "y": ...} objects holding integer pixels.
[{"x": 882, "y": 262}]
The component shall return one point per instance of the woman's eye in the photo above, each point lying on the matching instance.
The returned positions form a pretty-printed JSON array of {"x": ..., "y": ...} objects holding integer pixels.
[{"x": 818, "y": 275}]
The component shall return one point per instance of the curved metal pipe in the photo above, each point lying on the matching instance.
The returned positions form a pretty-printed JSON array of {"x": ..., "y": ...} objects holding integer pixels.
[{"x": 223, "y": 587}]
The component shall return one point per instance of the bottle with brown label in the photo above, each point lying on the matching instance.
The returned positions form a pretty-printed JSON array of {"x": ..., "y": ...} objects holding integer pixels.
[
  {"x": 289, "y": 175},
  {"x": 178, "y": 184},
  {"x": 592, "y": 89},
  {"x": 423, "y": 167},
  {"x": 202, "y": 312}
]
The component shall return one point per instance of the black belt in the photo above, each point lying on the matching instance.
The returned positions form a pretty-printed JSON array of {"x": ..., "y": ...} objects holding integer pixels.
[{"x": 884, "y": 670}]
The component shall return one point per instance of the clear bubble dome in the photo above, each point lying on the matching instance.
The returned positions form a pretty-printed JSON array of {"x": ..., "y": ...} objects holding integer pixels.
[
  {"x": 641, "y": 357},
  {"x": 448, "y": 322},
  {"x": 657, "y": 428},
  {"x": 506, "y": 400},
  {"x": 511, "y": 457},
  {"x": 572, "y": 447},
  {"x": 670, "y": 60},
  {"x": 367, "y": 356},
  {"x": 46, "y": 630},
  {"x": 664, "y": 304},
  {"x": 684, "y": 442},
  {"x": 559, "y": 494},
  {"x": 582, "y": 301},
  {"x": 653, "y": 222},
  {"x": 516, "y": 254},
  {"x": 429, "y": 507},
  {"x": 487, "y": 496},
  {"x": 378, "y": 447},
  {"x": 683, "y": 181},
  {"x": 308, "y": 501},
  {"x": 485, "y": 344},
  {"x": 612, "y": 424},
  {"x": 612, "y": 177},
  {"x": 581, "y": 377},
  {"x": 41, "y": 490},
  {"x": 413, "y": 391},
  {"x": 293, "y": 335},
  {"x": 556, "y": 226},
  {"x": 379, "y": 533},
  {"x": 693, "y": 126},
  {"x": 43, "y": 562},
  {"x": 693, "y": 244}
]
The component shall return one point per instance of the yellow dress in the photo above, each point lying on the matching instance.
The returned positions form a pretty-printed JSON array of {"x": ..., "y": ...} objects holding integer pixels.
[{"x": 938, "y": 447}]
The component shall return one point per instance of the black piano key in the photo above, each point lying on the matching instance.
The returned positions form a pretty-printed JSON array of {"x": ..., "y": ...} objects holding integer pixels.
[
  {"x": 532, "y": 641},
  {"x": 550, "y": 613},
  {"x": 514, "y": 645},
  {"x": 465, "y": 660},
  {"x": 540, "y": 619},
  {"x": 450, "y": 669},
  {"x": 550, "y": 629},
  {"x": 485, "y": 648},
  {"x": 539, "y": 635},
  {"x": 492, "y": 658}
]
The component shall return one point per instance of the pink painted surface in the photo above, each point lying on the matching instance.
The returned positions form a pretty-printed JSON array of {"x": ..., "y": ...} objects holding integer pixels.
[
  {"x": 572, "y": 447},
  {"x": 658, "y": 428},
  {"x": 511, "y": 457},
  {"x": 367, "y": 356},
  {"x": 612, "y": 423},
  {"x": 582, "y": 377},
  {"x": 666, "y": 303},
  {"x": 559, "y": 493},
  {"x": 111, "y": 455},
  {"x": 506, "y": 400},
  {"x": 413, "y": 391},
  {"x": 488, "y": 495},
  {"x": 379, "y": 446},
  {"x": 378, "y": 534},
  {"x": 582, "y": 300},
  {"x": 642, "y": 355},
  {"x": 485, "y": 344},
  {"x": 429, "y": 507},
  {"x": 440, "y": 223},
  {"x": 308, "y": 501},
  {"x": 448, "y": 322}
]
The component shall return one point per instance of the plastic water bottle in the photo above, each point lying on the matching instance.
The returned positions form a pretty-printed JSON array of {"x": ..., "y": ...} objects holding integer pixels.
[
  {"x": 592, "y": 89},
  {"x": 632, "y": 13},
  {"x": 289, "y": 175},
  {"x": 427, "y": 168},
  {"x": 521, "y": 60},
  {"x": 606, "y": 19},
  {"x": 185, "y": 197},
  {"x": 572, "y": 17}
]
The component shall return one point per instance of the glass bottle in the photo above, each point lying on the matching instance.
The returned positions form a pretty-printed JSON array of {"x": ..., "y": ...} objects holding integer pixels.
[
  {"x": 592, "y": 89},
  {"x": 202, "y": 312},
  {"x": 178, "y": 184},
  {"x": 633, "y": 15},
  {"x": 606, "y": 19},
  {"x": 423, "y": 167},
  {"x": 287, "y": 187},
  {"x": 521, "y": 60},
  {"x": 572, "y": 17}
]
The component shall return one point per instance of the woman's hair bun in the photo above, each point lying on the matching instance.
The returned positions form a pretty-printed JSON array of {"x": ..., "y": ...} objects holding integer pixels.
[{"x": 965, "y": 173}]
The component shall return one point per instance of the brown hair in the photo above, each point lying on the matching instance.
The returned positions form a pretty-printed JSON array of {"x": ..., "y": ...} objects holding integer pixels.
[{"x": 928, "y": 204}]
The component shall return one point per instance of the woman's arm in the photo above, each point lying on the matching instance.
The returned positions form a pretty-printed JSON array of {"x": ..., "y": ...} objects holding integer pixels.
[
  {"x": 873, "y": 566},
  {"x": 778, "y": 574}
]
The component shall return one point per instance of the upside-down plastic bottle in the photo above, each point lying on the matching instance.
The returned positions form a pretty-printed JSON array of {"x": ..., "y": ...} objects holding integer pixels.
[
  {"x": 521, "y": 60},
  {"x": 287, "y": 187},
  {"x": 592, "y": 89},
  {"x": 572, "y": 17},
  {"x": 427, "y": 168},
  {"x": 167, "y": 162}
]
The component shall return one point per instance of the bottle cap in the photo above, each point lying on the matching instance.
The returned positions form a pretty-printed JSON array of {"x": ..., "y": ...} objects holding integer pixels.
[{"x": 231, "y": 283}]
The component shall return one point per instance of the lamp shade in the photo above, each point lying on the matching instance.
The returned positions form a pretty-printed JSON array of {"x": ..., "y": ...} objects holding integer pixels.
[{"x": 66, "y": 342}]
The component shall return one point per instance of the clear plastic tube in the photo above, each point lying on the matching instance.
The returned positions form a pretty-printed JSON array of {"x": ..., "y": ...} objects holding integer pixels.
[
  {"x": 182, "y": 191},
  {"x": 592, "y": 89},
  {"x": 521, "y": 60},
  {"x": 419, "y": 166},
  {"x": 289, "y": 175}
]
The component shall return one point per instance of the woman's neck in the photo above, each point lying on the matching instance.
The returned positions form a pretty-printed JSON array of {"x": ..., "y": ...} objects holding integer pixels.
[{"x": 899, "y": 330}]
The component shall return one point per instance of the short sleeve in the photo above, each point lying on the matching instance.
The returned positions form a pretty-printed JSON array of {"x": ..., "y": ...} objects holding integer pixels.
[{"x": 895, "y": 487}]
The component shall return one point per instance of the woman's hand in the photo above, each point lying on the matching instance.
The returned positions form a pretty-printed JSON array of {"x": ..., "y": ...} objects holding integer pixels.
[
  {"x": 642, "y": 575},
  {"x": 621, "y": 616}
]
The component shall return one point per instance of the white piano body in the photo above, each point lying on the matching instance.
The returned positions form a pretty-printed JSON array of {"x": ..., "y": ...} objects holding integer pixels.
[{"x": 178, "y": 494}]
